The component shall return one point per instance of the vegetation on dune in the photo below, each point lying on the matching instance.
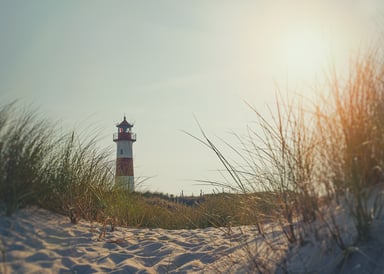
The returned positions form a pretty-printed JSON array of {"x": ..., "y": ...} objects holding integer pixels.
[
  {"x": 313, "y": 158},
  {"x": 353, "y": 140},
  {"x": 40, "y": 167}
]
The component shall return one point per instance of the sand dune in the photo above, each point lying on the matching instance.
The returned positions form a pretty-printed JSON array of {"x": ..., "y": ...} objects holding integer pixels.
[{"x": 39, "y": 241}]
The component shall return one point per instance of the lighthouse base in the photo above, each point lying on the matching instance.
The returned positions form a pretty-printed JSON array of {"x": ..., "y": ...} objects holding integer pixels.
[{"x": 125, "y": 182}]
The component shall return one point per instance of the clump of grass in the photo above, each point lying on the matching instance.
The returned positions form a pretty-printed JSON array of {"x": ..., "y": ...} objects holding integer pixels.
[
  {"x": 77, "y": 177},
  {"x": 310, "y": 156},
  {"x": 352, "y": 127},
  {"x": 278, "y": 160},
  {"x": 24, "y": 149},
  {"x": 39, "y": 167}
]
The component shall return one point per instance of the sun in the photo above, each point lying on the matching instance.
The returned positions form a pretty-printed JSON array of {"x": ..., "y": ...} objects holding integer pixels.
[{"x": 303, "y": 53}]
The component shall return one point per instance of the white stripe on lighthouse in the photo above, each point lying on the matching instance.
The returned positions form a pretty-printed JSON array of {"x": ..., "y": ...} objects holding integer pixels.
[{"x": 124, "y": 149}]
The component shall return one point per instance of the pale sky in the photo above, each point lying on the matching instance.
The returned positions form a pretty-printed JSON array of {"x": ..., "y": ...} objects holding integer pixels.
[{"x": 87, "y": 63}]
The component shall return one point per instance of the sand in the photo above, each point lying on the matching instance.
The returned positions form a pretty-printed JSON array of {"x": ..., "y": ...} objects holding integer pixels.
[{"x": 38, "y": 241}]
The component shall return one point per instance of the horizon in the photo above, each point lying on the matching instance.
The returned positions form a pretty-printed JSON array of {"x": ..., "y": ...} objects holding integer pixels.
[{"x": 169, "y": 65}]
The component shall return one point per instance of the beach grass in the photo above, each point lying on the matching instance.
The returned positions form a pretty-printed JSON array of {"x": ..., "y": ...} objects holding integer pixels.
[{"x": 316, "y": 158}]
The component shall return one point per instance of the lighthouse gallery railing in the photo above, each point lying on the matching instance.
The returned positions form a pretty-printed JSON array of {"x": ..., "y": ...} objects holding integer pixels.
[{"x": 124, "y": 136}]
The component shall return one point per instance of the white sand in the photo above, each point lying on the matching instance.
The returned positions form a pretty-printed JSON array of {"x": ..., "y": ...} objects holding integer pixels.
[{"x": 38, "y": 241}]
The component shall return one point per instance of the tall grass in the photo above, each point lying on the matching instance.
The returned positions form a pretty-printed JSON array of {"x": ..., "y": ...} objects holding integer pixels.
[
  {"x": 82, "y": 172},
  {"x": 287, "y": 149},
  {"x": 278, "y": 160},
  {"x": 352, "y": 127},
  {"x": 24, "y": 148},
  {"x": 308, "y": 155},
  {"x": 42, "y": 167}
]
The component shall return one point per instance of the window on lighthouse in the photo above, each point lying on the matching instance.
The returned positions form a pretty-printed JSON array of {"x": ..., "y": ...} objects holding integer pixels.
[{"x": 121, "y": 151}]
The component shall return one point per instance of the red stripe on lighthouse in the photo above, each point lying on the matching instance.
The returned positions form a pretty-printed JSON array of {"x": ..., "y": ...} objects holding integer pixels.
[{"x": 124, "y": 167}]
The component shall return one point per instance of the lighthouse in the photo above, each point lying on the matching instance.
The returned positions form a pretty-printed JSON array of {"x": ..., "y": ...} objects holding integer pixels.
[{"x": 124, "y": 139}]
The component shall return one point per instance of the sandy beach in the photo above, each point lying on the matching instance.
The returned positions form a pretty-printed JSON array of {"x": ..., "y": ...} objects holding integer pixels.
[{"x": 38, "y": 241}]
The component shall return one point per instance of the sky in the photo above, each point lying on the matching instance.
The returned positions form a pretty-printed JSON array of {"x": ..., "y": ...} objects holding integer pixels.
[{"x": 168, "y": 64}]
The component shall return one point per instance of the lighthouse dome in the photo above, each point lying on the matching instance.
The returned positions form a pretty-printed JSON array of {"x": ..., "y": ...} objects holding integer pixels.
[{"x": 124, "y": 124}]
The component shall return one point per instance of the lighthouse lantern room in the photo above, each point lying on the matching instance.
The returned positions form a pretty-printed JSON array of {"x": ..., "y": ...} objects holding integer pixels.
[{"x": 124, "y": 139}]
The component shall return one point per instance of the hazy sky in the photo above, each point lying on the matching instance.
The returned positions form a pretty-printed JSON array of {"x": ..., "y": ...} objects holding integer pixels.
[{"x": 87, "y": 63}]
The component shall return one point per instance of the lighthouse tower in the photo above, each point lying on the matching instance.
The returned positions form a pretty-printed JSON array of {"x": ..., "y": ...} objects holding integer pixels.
[{"x": 124, "y": 139}]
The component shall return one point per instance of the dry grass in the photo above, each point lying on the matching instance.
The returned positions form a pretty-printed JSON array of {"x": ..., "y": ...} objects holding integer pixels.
[
  {"x": 309, "y": 155},
  {"x": 352, "y": 129}
]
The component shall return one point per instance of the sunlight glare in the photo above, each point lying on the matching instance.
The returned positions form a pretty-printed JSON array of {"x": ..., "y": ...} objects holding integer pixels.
[{"x": 303, "y": 53}]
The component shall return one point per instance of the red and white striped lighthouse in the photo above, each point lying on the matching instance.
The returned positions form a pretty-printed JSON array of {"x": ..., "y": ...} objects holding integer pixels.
[{"x": 124, "y": 139}]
